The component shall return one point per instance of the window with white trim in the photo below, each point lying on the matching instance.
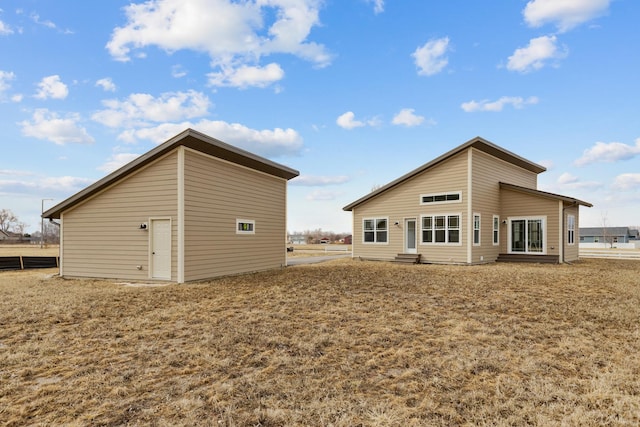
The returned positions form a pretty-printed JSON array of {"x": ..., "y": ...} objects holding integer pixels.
[
  {"x": 245, "y": 226},
  {"x": 375, "y": 230},
  {"x": 496, "y": 230},
  {"x": 440, "y": 229},
  {"x": 476, "y": 229},
  {"x": 440, "y": 198},
  {"x": 571, "y": 229}
]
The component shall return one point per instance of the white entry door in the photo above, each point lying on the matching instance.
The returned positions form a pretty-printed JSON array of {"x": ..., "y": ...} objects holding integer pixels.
[
  {"x": 410, "y": 236},
  {"x": 161, "y": 249}
]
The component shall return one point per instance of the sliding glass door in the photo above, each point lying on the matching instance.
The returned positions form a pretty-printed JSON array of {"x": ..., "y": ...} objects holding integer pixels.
[{"x": 527, "y": 235}]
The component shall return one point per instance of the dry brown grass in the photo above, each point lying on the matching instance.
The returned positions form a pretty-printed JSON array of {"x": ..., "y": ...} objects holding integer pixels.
[
  {"x": 28, "y": 250},
  {"x": 345, "y": 343}
]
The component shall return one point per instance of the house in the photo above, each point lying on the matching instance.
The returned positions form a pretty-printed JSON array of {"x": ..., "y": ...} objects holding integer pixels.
[
  {"x": 477, "y": 203},
  {"x": 607, "y": 235},
  {"x": 192, "y": 208},
  {"x": 324, "y": 240},
  {"x": 298, "y": 239},
  {"x": 11, "y": 237}
]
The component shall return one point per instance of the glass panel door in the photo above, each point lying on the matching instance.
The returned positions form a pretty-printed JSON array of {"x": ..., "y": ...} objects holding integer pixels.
[
  {"x": 534, "y": 235},
  {"x": 410, "y": 238},
  {"x": 518, "y": 235}
]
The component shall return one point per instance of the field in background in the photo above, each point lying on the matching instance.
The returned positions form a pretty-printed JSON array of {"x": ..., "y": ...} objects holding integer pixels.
[
  {"x": 342, "y": 343},
  {"x": 318, "y": 250},
  {"x": 29, "y": 250}
]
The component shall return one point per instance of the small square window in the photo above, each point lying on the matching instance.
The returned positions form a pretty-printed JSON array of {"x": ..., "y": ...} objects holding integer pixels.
[{"x": 245, "y": 226}]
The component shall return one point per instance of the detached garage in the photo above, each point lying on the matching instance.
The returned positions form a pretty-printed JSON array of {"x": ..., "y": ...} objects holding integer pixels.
[{"x": 192, "y": 208}]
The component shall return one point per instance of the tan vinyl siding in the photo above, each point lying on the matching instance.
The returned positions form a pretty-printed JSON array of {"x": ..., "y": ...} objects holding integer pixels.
[
  {"x": 216, "y": 194},
  {"x": 102, "y": 237},
  {"x": 516, "y": 204},
  {"x": 403, "y": 201},
  {"x": 487, "y": 173},
  {"x": 571, "y": 252}
]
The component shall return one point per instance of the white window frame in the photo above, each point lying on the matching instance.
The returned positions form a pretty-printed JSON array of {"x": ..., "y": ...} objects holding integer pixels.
[
  {"x": 245, "y": 221},
  {"x": 446, "y": 229},
  {"x": 423, "y": 203},
  {"x": 375, "y": 230},
  {"x": 571, "y": 230},
  {"x": 478, "y": 229},
  {"x": 496, "y": 230}
]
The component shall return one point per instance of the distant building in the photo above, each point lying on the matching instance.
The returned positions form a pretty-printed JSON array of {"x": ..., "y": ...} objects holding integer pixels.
[
  {"x": 608, "y": 235},
  {"x": 297, "y": 239}
]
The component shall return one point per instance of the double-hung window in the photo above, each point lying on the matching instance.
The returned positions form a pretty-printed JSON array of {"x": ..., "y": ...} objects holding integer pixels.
[
  {"x": 375, "y": 230},
  {"x": 440, "y": 229},
  {"x": 496, "y": 230},
  {"x": 476, "y": 229},
  {"x": 571, "y": 229}
]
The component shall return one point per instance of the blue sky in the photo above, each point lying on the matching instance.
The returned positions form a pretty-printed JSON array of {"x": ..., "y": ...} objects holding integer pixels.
[{"x": 352, "y": 93}]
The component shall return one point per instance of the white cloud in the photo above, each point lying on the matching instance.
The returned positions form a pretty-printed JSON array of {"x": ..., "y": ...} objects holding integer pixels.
[
  {"x": 245, "y": 76},
  {"x": 486, "y": 105},
  {"x": 536, "y": 54},
  {"x": 627, "y": 181},
  {"x": 347, "y": 121},
  {"x": 430, "y": 58},
  {"x": 140, "y": 109},
  {"x": 5, "y": 78},
  {"x": 547, "y": 163},
  {"x": 52, "y": 87},
  {"x": 378, "y": 6},
  {"x": 66, "y": 184},
  {"x": 567, "y": 178},
  {"x": 266, "y": 142},
  {"x": 46, "y": 23},
  {"x": 116, "y": 161},
  {"x": 5, "y": 30},
  {"x": 407, "y": 117},
  {"x": 318, "y": 181},
  {"x": 233, "y": 34},
  {"x": 567, "y": 182},
  {"x": 106, "y": 84},
  {"x": 178, "y": 71},
  {"x": 565, "y": 14},
  {"x": 61, "y": 186},
  {"x": 323, "y": 195},
  {"x": 47, "y": 125},
  {"x": 608, "y": 153}
]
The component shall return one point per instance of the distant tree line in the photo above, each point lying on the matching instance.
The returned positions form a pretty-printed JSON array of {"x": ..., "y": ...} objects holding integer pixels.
[
  {"x": 314, "y": 236},
  {"x": 11, "y": 226}
]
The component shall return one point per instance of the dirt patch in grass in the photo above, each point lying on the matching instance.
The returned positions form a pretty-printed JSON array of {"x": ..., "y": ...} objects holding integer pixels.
[{"x": 344, "y": 343}]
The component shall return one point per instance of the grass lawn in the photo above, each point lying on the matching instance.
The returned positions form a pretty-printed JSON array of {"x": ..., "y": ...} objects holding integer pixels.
[{"x": 345, "y": 343}]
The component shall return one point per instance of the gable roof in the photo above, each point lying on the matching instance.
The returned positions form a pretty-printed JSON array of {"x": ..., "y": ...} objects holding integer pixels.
[
  {"x": 477, "y": 143},
  {"x": 504, "y": 185},
  {"x": 188, "y": 138}
]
